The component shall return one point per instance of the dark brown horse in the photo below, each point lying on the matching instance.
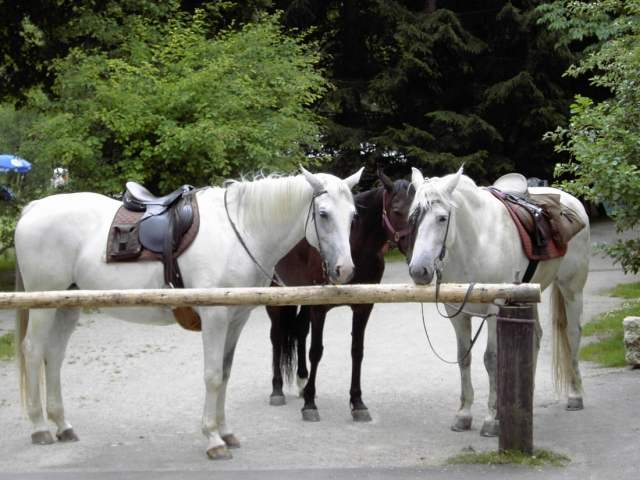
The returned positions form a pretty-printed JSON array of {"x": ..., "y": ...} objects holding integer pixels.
[{"x": 381, "y": 218}]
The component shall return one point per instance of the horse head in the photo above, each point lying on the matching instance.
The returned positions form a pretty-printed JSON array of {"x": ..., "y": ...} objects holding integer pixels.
[
  {"x": 397, "y": 199},
  {"x": 432, "y": 220},
  {"x": 329, "y": 221}
]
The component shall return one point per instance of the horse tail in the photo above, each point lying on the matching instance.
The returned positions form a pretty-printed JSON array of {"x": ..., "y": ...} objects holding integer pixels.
[
  {"x": 22, "y": 322},
  {"x": 563, "y": 373},
  {"x": 289, "y": 344}
]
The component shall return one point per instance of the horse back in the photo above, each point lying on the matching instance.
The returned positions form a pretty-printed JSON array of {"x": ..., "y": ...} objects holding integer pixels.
[{"x": 53, "y": 232}]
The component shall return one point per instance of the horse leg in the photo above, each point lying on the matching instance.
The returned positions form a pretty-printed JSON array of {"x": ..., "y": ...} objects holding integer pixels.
[
  {"x": 302, "y": 331},
  {"x": 33, "y": 348},
  {"x": 276, "y": 334},
  {"x": 310, "y": 410},
  {"x": 490, "y": 425},
  {"x": 359, "y": 410},
  {"x": 229, "y": 350},
  {"x": 215, "y": 324},
  {"x": 573, "y": 333},
  {"x": 63, "y": 326},
  {"x": 462, "y": 326}
]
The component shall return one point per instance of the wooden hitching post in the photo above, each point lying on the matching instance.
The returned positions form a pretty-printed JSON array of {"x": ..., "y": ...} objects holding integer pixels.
[{"x": 515, "y": 330}]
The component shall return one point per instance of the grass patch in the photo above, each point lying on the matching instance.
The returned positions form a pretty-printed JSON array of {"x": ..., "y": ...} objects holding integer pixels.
[
  {"x": 540, "y": 457},
  {"x": 608, "y": 347},
  {"x": 626, "y": 290},
  {"x": 394, "y": 255},
  {"x": 7, "y": 346}
]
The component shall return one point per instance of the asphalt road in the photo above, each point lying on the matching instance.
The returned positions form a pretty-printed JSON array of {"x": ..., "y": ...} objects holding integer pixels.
[{"x": 135, "y": 394}]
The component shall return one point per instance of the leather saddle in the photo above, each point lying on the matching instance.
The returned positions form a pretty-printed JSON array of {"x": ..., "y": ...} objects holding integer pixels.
[
  {"x": 147, "y": 227},
  {"x": 544, "y": 224},
  {"x": 164, "y": 221}
]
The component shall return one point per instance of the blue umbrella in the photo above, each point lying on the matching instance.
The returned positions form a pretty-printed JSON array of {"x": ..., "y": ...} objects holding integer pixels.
[{"x": 11, "y": 163}]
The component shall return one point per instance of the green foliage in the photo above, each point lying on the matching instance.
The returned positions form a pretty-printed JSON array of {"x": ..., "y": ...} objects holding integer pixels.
[
  {"x": 178, "y": 107},
  {"x": 602, "y": 138},
  {"x": 7, "y": 346},
  {"x": 15, "y": 125},
  {"x": 540, "y": 457},
  {"x": 33, "y": 35}
]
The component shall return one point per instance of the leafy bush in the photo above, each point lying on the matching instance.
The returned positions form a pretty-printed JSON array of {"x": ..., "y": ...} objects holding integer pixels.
[
  {"x": 175, "y": 106},
  {"x": 602, "y": 137}
]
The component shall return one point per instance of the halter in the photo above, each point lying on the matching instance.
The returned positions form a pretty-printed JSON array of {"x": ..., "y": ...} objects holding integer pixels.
[{"x": 386, "y": 223}]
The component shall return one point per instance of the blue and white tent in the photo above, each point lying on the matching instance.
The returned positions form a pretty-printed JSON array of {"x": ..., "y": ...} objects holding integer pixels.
[{"x": 11, "y": 163}]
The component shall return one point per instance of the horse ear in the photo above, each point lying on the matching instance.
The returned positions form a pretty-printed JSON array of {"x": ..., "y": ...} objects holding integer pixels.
[
  {"x": 353, "y": 180},
  {"x": 416, "y": 178},
  {"x": 386, "y": 181},
  {"x": 452, "y": 182},
  {"x": 313, "y": 180}
]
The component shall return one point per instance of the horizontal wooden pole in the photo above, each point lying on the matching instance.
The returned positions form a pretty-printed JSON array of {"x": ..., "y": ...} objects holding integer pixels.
[{"x": 312, "y": 295}]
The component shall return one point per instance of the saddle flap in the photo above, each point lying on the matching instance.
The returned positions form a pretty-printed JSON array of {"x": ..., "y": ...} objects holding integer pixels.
[{"x": 152, "y": 232}]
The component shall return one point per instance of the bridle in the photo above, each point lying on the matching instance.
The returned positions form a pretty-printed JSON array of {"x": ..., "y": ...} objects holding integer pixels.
[
  {"x": 397, "y": 235},
  {"x": 438, "y": 264},
  {"x": 275, "y": 277},
  {"x": 312, "y": 213}
]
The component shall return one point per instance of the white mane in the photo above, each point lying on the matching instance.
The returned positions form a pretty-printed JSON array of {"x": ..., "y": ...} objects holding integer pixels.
[
  {"x": 433, "y": 190},
  {"x": 273, "y": 199}
]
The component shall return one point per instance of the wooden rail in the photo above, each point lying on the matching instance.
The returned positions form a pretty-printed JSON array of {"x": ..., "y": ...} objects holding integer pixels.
[
  {"x": 515, "y": 324},
  {"x": 313, "y": 295}
]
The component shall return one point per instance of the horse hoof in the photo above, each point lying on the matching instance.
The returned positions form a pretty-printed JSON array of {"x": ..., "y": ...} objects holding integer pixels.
[
  {"x": 67, "y": 435},
  {"x": 219, "y": 453},
  {"x": 575, "y": 403},
  {"x": 42, "y": 438},
  {"x": 490, "y": 428},
  {"x": 231, "y": 440},
  {"x": 462, "y": 423},
  {"x": 310, "y": 415},
  {"x": 277, "y": 400},
  {"x": 361, "y": 415}
]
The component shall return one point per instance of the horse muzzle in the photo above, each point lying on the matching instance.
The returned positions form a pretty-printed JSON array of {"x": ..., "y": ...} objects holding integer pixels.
[
  {"x": 342, "y": 272},
  {"x": 420, "y": 274}
]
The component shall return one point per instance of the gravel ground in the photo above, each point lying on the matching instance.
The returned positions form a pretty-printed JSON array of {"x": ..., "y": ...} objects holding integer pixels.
[{"x": 134, "y": 394}]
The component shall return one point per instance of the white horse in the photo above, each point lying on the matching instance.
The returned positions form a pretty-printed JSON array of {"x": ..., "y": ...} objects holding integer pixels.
[
  {"x": 483, "y": 245},
  {"x": 61, "y": 243}
]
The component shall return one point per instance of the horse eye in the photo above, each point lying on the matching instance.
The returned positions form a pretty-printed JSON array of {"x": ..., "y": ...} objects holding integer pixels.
[
  {"x": 442, "y": 218},
  {"x": 323, "y": 214}
]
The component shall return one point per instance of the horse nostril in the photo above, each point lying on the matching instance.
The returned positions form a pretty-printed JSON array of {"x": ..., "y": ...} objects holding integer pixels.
[{"x": 338, "y": 271}]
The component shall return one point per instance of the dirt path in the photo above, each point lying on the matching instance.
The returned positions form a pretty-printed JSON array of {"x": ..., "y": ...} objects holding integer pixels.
[{"x": 135, "y": 396}]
